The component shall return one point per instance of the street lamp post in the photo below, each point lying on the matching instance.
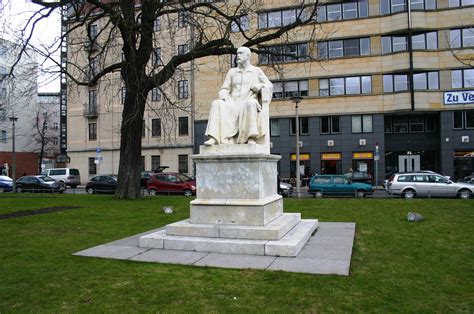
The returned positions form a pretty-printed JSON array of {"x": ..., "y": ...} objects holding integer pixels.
[
  {"x": 297, "y": 100},
  {"x": 13, "y": 119}
]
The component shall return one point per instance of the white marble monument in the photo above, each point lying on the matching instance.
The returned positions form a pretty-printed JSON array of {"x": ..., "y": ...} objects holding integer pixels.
[{"x": 237, "y": 208}]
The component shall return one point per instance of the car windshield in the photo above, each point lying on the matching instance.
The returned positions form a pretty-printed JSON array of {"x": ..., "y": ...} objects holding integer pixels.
[{"x": 183, "y": 177}]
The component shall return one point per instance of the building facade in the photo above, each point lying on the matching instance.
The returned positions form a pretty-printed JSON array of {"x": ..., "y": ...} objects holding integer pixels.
[
  {"x": 387, "y": 86},
  {"x": 17, "y": 102}
]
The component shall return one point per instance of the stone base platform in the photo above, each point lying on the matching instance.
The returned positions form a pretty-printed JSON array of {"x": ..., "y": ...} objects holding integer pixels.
[{"x": 285, "y": 236}]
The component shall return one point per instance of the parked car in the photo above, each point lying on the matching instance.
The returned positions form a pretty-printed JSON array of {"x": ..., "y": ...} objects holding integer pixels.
[
  {"x": 285, "y": 189},
  {"x": 413, "y": 184},
  {"x": 6, "y": 183},
  {"x": 102, "y": 184},
  {"x": 469, "y": 178},
  {"x": 69, "y": 176},
  {"x": 39, "y": 183},
  {"x": 171, "y": 182},
  {"x": 359, "y": 176},
  {"x": 338, "y": 185}
]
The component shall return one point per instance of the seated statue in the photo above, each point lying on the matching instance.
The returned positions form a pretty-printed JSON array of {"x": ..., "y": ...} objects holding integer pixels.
[{"x": 236, "y": 118}]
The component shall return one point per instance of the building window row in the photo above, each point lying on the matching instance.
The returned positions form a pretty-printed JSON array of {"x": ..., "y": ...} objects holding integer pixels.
[
  {"x": 290, "y": 89},
  {"x": 461, "y": 37},
  {"x": 344, "y": 48},
  {"x": 284, "y": 53},
  {"x": 460, "y": 3},
  {"x": 278, "y": 18},
  {"x": 463, "y": 119},
  {"x": 400, "y": 82},
  {"x": 420, "y": 41},
  {"x": 328, "y": 124},
  {"x": 395, "y": 6},
  {"x": 343, "y": 11},
  {"x": 410, "y": 124},
  {"x": 345, "y": 86},
  {"x": 462, "y": 78}
]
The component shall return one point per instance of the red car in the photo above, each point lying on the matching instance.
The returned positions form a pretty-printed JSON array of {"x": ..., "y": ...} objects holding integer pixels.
[{"x": 171, "y": 182}]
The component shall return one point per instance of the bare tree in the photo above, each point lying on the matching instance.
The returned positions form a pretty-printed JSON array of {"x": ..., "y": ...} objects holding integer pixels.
[
  {"x": 125, "y": 28},
  {"x": 45, "y": 136}
]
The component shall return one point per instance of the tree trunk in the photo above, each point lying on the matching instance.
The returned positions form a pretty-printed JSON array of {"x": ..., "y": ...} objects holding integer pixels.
[{"x": 130, "y": 147}]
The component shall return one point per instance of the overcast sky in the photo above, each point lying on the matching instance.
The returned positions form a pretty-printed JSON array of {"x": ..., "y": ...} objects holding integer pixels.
[{"x": 13, "y": 16}]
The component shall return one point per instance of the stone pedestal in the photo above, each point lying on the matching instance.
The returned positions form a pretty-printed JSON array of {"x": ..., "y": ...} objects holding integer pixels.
[{"x": 237, "y": 208}]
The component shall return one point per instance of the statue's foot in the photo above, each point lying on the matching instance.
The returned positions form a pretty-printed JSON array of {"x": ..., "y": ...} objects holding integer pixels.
[
  {"x": 210, "y": 142},
  {"x": 251, "y": 141}
]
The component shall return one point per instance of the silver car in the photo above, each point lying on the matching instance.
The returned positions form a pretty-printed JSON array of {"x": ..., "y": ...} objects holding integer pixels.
[{"x": 409, "y": 185}]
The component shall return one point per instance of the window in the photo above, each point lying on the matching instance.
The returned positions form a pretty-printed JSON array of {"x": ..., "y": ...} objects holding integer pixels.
[
  {"x": 92, "y": 101},
  {"x": 345, "y": 86},
  {"x": 394, "y": 6},
  {"x": 240, "y": 24},
  {"x": 142, "y": 163},
  {"x": 45, "y": 125},
  {"x": 362, "y": 124},
  {"x": 183, "y": 164},
  {"x": 156, "y": 94},
  {"x": 183, "y": 92},
  {"x": 156, "y": 57},
  {"x": 123, "y": 94},
  {"x": 387, "y": 122},
  {"x": 463, "y": 119},
  {"x": 458, "y": 3},
  {"x": 417, "y": 124},
  {"x": 183, "y": 126},
  {"x": 155, "y": 128},
  {"x": 394, "y": 44},
  {"x": 3, "y": 114},
  {"x": 304, "y": 126},
  {"x": 55, "y": 141},
  {"x": 157, "y": 24},
  {"x": 290, "y": 89},
  {"x": 459, "y": 38},
  {"x": 400, "y": 125},
  {"x": 395, "y": 82},
  {"x": 426, "y": 81},
  {"x": 4, "y": 136},
  {"x": 343, "y": 11},
  {"x": 462, "y": 78},
  {"x": 344, "y": 48},
  {"x": 284, "y": 53},
  {"x": 93, "y": 32},
  {"x": 274, "y": 127},
  {"x": 155, "y": 162},
  {"x": 92, "y": 68},
  {"x": 182, "y": 19},
  {"x": 92, "y": 131},
  {"x": 183, "y": 49},
  {"x": 330, "y": 125},
  {"x": 425, "y": 41},
  {"x": 92, "y": 166},
  {"x": 430, "y": 123},
  {"x": 277, "y": 18},
  {"x": 55, "y": 126}
]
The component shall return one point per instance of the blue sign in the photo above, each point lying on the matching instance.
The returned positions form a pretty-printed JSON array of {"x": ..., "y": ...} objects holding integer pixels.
[
  {"x": 459, "y": 97},
  {"x": 98, "y": 150}
]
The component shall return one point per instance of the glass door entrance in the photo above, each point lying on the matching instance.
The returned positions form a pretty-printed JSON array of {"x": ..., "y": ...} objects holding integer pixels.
[{"x": 408, "y": 163}]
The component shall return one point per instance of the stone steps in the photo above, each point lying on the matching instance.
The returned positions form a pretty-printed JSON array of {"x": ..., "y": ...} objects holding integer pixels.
[
  {"x": 289, "y": 245},
  {"x": 274, "y": 230}
]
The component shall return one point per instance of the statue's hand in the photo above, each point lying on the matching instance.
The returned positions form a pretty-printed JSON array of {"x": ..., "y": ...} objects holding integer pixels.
[{"x": 257, "y": 88}]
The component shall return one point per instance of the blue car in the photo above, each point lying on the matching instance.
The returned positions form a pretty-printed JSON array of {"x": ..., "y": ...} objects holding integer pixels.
[
  {"x": 337, "y": 185},
  {"x": 6, "y": 183}
]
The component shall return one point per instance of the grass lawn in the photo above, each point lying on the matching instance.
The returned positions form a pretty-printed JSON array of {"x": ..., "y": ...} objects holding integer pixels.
[{"x": 397, "y": 266}]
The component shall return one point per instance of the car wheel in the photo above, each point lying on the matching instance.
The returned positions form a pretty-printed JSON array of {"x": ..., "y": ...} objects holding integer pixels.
[
  {"x": 360, "y": 193},
  {"x": 152, "y": 192},
  {"x": 188, "y": 193},
  {"x": 318, "y": 194},
  {"x": 464, "y": 194},
  {"x": 19, "y": 189},
  {"x": 408, "y": 194},
  {"x": 90, "y": 191}
]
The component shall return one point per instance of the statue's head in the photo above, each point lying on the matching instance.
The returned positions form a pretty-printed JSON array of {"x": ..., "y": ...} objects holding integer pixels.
[{"x": 243, "y": 55}]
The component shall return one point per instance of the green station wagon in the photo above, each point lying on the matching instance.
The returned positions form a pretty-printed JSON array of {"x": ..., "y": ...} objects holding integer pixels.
[{"x": 337, "y": 185}]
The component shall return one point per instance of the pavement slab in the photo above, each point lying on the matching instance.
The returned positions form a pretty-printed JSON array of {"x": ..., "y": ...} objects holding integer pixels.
[{"x": 328, "y": 252}]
